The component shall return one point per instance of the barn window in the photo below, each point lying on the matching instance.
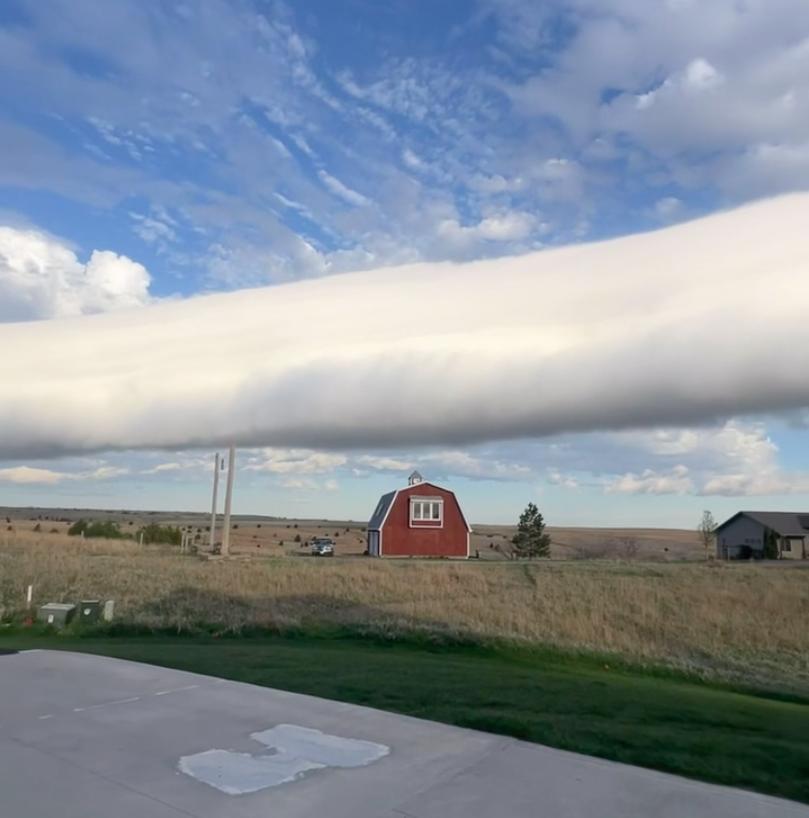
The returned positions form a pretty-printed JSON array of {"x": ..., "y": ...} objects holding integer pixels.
[{"x": 426, "y": 511}]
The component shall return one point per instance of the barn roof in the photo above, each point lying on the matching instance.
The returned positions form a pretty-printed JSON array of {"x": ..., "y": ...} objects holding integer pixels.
[
  {"x": 381, "y": 511},
  {"x": 784, "y": 523}
]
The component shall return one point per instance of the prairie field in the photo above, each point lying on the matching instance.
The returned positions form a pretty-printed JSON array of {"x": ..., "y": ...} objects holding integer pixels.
[{"x": 735, "y": 622}]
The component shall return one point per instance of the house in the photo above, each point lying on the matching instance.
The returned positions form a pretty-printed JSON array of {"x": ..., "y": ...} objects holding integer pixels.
[
  {"x": 759, "y": 534},
  {"x": 420, "y": 520}
]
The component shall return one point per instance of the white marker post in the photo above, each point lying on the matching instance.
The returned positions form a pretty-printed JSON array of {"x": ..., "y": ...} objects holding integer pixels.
[
  {"x": 212, "y": 538},
  {"x": 28, "y": 597},
  {"x": 228, "y": 500}
]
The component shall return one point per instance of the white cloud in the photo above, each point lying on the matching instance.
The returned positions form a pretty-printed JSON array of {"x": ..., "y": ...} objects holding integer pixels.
[
  {"x": 677, "y": 481},
  {"x": 574, "y": 339},
  {"x": 27, "y": 475},
  {"x": 342, "y": 191},
  {"x": 295, "y": 461},
  {"x": 385, "y": 463},
  {"x": 308, "y": 484},
  {"x": 41, "y": 277},
  {"x": 462, "y": 463},
  {"x": 506, "y": 226},
  {"x": 556, "y": 478},
  {"x": 668, "y": 209}
]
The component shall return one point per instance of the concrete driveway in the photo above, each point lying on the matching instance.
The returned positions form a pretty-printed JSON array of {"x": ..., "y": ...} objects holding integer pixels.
[{"x": 84, "y": 736}]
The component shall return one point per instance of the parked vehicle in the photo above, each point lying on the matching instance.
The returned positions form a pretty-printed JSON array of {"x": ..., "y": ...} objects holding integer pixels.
[{"x": 322, "y": 547}]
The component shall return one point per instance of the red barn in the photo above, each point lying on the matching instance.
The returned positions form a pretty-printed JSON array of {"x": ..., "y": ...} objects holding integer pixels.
[{"x": 422, "y": 520}]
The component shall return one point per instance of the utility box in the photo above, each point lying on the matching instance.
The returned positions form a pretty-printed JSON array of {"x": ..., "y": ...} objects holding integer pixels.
[
  {"x": 89, "y": 611},
  {"x": 57, "y": 614},
  {"x": 109, "y": 610}
]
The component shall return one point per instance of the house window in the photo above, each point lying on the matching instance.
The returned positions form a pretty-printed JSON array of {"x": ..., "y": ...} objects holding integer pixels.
[
  {"x": 426, "y": 511},
  {"x": 787, "y": 545}
]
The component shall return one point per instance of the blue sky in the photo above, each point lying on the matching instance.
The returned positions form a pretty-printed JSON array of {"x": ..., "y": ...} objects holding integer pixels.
[{"x": 162, "y": 150}]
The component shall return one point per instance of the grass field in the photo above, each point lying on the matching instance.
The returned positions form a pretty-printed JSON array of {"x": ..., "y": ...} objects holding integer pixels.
[
  {"x": 584, "y": 703},
  {"x": 742, "y": 623}
]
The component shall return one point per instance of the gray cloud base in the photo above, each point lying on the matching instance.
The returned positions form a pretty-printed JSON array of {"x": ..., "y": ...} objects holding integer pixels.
[{"x": 679, "y": 326}]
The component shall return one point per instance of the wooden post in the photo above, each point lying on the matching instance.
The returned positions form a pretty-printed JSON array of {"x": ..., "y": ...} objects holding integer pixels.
[
  {"x": 228, "y": 501},
  {"x": 212, "y": 538}
]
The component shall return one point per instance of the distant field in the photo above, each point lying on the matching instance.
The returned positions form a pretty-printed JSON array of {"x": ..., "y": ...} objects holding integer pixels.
[
  {"x": 717, "y": 620},
  {"x": 276, "y": 537}
]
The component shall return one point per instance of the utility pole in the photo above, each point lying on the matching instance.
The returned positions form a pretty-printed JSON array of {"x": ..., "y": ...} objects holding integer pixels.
[
  {"x": 212, "y": 538},
  {"x": 228, "y": 499}
]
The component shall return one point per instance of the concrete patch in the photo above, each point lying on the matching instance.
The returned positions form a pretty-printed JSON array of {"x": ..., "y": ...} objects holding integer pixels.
[
  {"x": 241, "y": 773},
  {"x": 330, "y": 751},
  {"x": 294, "y": 751}
]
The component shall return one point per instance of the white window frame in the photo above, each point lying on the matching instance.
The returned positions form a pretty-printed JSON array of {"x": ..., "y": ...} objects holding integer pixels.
[{"x": 434, "y": 504}]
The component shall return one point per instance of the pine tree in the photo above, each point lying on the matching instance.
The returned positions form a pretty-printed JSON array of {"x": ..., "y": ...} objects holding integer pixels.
[{"x": 531, "y": 540}]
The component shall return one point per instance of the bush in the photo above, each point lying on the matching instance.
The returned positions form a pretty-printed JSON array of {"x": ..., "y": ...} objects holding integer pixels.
[
  {"x": 155, "y": 533},
  {"x": 108, "y": 530},
  {"x": 297, "y": 538},
  {"x": 37, "y": 527}
]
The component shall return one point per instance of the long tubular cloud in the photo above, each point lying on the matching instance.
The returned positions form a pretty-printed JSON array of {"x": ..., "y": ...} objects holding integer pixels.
[{"x": 678, "y": 326}]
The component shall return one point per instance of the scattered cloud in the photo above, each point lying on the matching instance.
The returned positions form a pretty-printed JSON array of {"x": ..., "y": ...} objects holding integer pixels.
[
  {"x": 308, "y": 484},
  {"x": 29, "y": 475},
  {"x": 342, "y": 191},
  {"x": 677, "y": 481},
  {"x": 295, "y": 461}
]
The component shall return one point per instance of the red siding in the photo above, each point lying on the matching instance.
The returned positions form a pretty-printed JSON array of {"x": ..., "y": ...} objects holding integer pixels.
[{"x": 400, "y": 540}]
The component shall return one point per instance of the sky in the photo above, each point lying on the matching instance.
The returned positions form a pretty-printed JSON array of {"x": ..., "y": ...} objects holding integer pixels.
[{"x": 151, "y": 154}]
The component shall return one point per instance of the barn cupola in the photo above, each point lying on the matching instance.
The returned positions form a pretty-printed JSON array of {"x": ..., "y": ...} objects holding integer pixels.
[{"x": 414, "y": 479}]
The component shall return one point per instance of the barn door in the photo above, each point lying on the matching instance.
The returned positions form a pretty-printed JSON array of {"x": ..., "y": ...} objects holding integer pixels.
[{"x": 373, "y": 543}]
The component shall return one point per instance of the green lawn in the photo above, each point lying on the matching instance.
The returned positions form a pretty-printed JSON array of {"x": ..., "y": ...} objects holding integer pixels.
[{"x": 658, "y": 720}]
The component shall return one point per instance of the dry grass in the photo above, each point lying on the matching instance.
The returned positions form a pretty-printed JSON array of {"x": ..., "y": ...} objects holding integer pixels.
[{"x": 740, "y": 622}]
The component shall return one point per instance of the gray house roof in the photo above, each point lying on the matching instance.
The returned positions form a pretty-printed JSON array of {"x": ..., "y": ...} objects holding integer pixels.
[
  {"x": 783, "y": 523},
  {"x": 381, "y": 510}
]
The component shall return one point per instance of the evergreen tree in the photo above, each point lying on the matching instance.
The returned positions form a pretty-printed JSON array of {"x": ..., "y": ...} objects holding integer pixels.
[{"x": 531, "y": 540}]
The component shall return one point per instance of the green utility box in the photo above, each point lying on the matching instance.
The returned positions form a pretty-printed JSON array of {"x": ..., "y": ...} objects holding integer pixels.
[
  {"x": 57, "y": 614},
  {"x": 89, "y": 611}
]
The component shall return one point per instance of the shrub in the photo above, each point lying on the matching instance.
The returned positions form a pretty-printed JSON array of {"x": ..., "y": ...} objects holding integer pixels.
[
  {"x": 297, "y": 538},
  {"x": 108, "y": 530},
  {"x": 155, "y": 533}
]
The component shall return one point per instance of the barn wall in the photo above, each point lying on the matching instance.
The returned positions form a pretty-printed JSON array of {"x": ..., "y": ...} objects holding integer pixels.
[{"x": 400, "y": 540}]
